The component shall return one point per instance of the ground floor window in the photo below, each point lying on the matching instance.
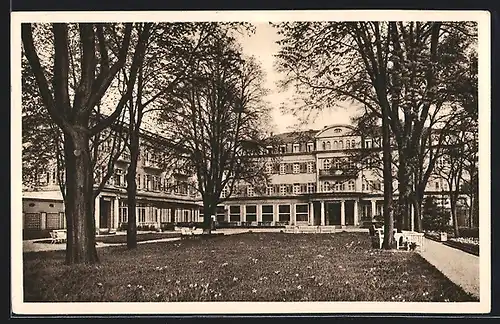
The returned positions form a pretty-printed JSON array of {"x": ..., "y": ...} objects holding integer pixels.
[
  {"x": 123, "y": 212},
  {"x": 141, "y": 213},
  {"x": 234, "y": 213},
  {"x": 301, "y": 212},
  {"x": 284, "y": 213},
  {"x": 221, "y": 213},
  {"x": 251, "y": 213},
  {"x": 267, "y": 213}
]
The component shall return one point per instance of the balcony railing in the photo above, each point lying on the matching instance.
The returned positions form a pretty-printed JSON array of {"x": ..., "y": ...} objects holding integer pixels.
[{"x": 338, "y": 173}]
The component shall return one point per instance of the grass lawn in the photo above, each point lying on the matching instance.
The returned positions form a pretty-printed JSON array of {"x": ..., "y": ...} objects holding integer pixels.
[{"x": 244, "y": 267}]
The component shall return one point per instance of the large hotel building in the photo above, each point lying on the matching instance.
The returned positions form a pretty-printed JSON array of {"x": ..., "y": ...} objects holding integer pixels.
[{"x": 313, "y": 183}]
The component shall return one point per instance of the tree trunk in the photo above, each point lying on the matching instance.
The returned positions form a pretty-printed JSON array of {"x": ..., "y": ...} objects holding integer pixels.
[
  {"x": 131, "y": 193},
  {"x": 208, "y": 211},
  {"x": 454, "y": 218},
  {"x": 403, "y": 217},
  {"x": 387, "y": 162},
  {"x": 80, "y": 244},
  {"x": 417, "y": 206}
]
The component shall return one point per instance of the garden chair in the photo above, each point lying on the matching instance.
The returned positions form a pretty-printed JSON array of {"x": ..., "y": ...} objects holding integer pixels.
[{"x": 53, "y": 238}]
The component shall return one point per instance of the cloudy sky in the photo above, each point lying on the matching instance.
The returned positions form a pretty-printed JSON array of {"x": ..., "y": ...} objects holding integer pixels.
[{"x": 263, "y": 46}]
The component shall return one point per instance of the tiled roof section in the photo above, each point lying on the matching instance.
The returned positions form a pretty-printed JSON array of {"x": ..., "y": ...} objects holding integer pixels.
[{"x": 296, "y": 137}]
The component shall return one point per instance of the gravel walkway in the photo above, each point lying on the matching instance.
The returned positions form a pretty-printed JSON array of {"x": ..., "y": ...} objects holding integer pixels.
[{"x": 460, "y": 267}]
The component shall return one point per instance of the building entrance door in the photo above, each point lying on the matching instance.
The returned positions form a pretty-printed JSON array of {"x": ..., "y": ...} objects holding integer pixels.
[
  {"x": 349, "y": 212},
  {"x": 105, "y": 213},
  {"x": 333, "y": 213}
]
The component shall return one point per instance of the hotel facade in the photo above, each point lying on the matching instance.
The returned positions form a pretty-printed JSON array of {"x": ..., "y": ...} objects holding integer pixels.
[{"x": 313, "y": 182}]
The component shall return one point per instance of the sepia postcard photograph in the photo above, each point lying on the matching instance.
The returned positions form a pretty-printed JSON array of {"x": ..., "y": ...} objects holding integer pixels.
[{"x": 250, "y": 162}]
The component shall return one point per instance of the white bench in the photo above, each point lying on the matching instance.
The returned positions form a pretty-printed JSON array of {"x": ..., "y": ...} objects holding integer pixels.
[
  {"x": 58, "y": 236},
  {"x": 414, "y": 237},
  {"x": 379, "y": 234},
  {"x": 189, "y": 232}
]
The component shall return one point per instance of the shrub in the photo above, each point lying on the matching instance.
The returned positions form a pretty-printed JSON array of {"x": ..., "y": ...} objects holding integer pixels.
[
  {"x": 469, "y": 232},
  {"x": 434, "y": 218}
]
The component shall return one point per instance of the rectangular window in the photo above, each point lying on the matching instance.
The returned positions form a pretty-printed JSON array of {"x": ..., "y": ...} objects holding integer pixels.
[
  {"x": 301, "y": 212},
  {"x": 123, "y": 212},
  {"x": 284, "y": 213},
  {"x": 296, "y": 188},
  {"x": 311, "y": 187},
  {"x": 310, "y": 168},
  {"x": 368, "y": 143},
  {"x": 351, "y": 185},
  {"x": 118, "y": 178},
  {"x": 251, "y": 213},
  {"x": 310, "y": 147},
  {"x": 282, "y": 168},
  {"x": 250, "y": 191},
  {"x": 267, "y": 213},
  {"x": 234, "y": 213},
  {"x": 270, "y": 190},
  {"x": 296, "y": 168},
  {"x": 282, "y": 189},
  {"x": 269, "y": 168},
  {"x": 141, "y": 213}
]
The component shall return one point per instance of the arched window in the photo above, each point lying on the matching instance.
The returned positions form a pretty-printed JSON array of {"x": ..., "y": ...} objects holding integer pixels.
[
  {"x": 341, "y": 145},
  {"x": 326, "y": 186},
  {"x": 326, "y": 164},
  {"x": 347, "y": 144},
  {"x": 324, "y": 146},
  {"x": 353, "y": 144},
  {"x": 335, "y": 145},
  {"x": 328, "y": 145},
  {"x": 351, "y": 185}
]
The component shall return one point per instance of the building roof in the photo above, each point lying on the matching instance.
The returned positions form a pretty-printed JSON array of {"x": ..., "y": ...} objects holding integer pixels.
[
  {"x": 43, "y": 195},
  {"x": 296, "y": 136}
]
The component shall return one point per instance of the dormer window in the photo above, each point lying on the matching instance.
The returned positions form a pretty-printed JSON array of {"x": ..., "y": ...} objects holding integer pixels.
[
  {"x": 368, "y": 143},
  {"x": 283, "y": 149},
  {"x": 296, "y": 148},
  {"x": 310, "y": 147},
  {"x": 337, "y": 130}
]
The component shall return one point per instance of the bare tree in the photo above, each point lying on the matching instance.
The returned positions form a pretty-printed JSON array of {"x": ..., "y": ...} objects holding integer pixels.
[
  {"x": 97, "y": 70},
  {"x": 217, "y": 119},
  {"x": 394, "y": 69}
]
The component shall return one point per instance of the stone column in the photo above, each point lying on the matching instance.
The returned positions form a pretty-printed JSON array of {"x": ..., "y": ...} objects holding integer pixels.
[
  {"x": 259, "y": 213},
  {"x": 97, "y": 210},
  {"x": 243, "y": 213},
  {"x": 322, "y": 213},
  {"x": 356, "y": 222},
  {"x": 311, "y": 214},
  {"x": 43, "y": 220},
  {"x": 276, "y": 217},
  {"x": 293, "y": 218},
  {"x": 114, "y": 224},
  {"x": 374, "y": 205},
  {"x": 226, "y": 213},
  {"x": 342, "y": 212}
]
